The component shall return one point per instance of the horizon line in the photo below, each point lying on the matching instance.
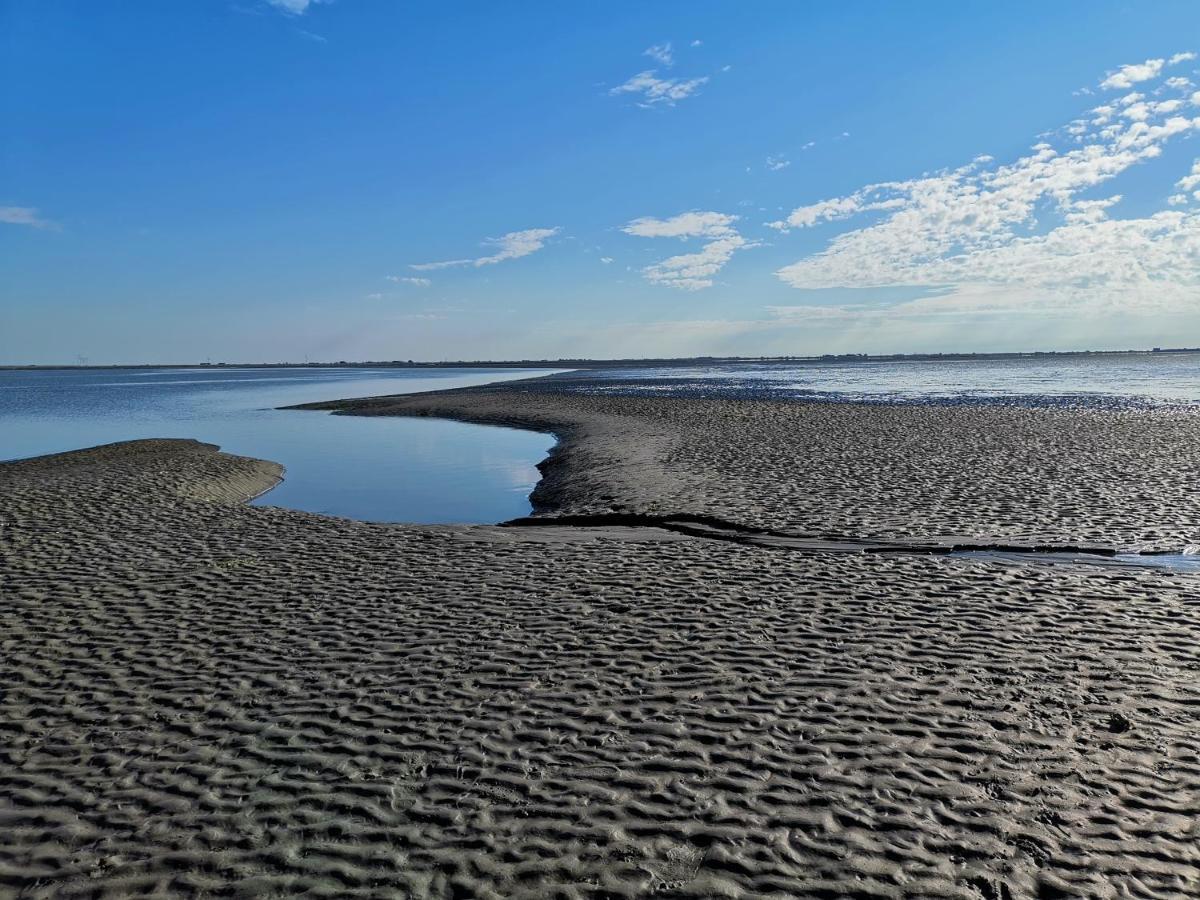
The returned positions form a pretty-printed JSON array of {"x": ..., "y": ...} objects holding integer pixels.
[{"x": 585, "y": 362}]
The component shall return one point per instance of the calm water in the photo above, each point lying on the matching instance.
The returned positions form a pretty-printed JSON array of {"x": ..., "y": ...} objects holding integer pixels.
[
  {"x": 377, "y": 469},
  {"x": 1133, "y": 379},
  {"x": 428, "y": 470}
]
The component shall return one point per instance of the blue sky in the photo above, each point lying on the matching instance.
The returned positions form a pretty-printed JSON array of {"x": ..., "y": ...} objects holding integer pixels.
[{"x": 247, "y": 180}]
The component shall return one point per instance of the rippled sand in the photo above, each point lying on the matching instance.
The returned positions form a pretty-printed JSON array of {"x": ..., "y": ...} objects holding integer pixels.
[
  {"x": 1124, "y": 478},
  {"x": 198, "y": 697}
]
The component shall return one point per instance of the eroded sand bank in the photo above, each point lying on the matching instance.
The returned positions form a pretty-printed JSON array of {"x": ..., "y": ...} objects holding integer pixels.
[{"x": 201, "y": 697}]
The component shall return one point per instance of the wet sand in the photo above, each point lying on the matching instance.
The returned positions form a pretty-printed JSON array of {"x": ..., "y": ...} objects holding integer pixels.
[{"x": 202, "y": 698}]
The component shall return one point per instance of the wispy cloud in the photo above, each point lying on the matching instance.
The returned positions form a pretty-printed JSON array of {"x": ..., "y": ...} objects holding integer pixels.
[
  {"x": 23, "y": 215},
  {"x": 775, "y": 163},
  {"x": 690, "y": 271},
  {"x": 294, "y": 7},
  {"x": 409, "y": 279},
  {"x": 661, "y": 53},
  {"x": 988, "y": 237},
  {"x": 695, "y": 271},
  {"x": 513, "y": 245},
  {"x": 655, "y": 90},
  {"x": 651, "y": 90}
]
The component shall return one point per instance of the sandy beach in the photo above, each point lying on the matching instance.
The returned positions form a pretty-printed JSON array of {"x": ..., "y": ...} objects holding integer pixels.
[{"x": 203, "y": 698}]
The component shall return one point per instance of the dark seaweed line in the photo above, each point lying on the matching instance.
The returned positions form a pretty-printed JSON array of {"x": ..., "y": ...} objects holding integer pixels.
[{"x": 715, "y": 528}]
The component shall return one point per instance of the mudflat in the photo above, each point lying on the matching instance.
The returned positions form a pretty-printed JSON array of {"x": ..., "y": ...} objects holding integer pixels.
[{"x": 202, "y": 698}]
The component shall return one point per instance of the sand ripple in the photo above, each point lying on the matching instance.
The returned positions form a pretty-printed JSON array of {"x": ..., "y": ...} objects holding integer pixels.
[
  {"x": 1123, "y": 478},
  {"x": 199, "y": 698}
]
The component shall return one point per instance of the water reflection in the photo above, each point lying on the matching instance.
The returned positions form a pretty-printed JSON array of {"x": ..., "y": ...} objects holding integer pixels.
[{"x": 377, "y": 469}]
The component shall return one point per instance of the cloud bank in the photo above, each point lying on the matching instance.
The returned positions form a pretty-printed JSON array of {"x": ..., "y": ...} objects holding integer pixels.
[{"x": 1029, "y": 235}]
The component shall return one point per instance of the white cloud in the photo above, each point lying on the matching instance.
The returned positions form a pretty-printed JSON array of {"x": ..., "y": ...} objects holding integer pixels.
[
  {"x": 838, "y": 208},
  {"x": 684, "y": 225},
  {"x": 406, "y": 279},
  {"x": 775, "y": 163},
  {"x": 606, "y": 259},
  {"x": 661, "y": 53},
  {"x": 655, "y": 90},
  {"x": 513, "y": 245},
  {"x": 1129, "y": 75},
  {"x": 695, "y": 271},
  {"x": 1026, "y": 235},
  {"x": 1181, "y": 57},
  {"x": 1090, "y": 210},
  {"x": 691, "y": 271},
  {"x": 1190, "y": 181},
  {"x": 23, "y": 215},
  {"x": 696, "y": 43}
]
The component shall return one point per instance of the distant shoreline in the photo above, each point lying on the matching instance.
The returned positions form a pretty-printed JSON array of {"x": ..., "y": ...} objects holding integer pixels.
[{"x": 676, "y": 362}]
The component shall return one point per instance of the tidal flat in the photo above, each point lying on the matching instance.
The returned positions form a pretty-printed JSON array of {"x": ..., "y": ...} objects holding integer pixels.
[{"x": 199, "y": 697}]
